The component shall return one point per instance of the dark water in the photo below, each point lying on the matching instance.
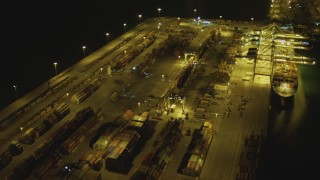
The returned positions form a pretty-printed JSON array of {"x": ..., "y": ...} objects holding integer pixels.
[
  {"x": 293, "y": 145},
  {"x": 36, "y": 34}
]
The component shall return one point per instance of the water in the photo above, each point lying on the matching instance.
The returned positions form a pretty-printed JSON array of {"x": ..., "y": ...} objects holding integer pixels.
[
  {"x": 37, "y": 34},
  {"x": 293, "y": 146}
]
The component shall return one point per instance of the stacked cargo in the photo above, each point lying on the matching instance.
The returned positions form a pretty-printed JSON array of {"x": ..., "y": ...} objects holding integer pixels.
[
  {"x": 194, "y": 165},
  {"x": 138, "y": 122},
  {"x": 124, "y": 119},
  {"x": 200, "y": 112},
  {"x": 28, "y": 137},
  {"x": 249, "y": 158},
  {"x": 93, "y": 160},
  {"x": 87, "y": 126},
  {"x": 163, "y": 149},
  {"x": 58, "y": 114},
  {"x": 84, "y": 115},
  {"x": 51, "y": 120},
  {"x": 121, "y": 148},
  {"x": 128, "y": 114},
  {"x": 61, "y": 111},
  {"x": 160, "y": 162},
  {"x": 198, "y": 150},
  {"x": 109, "y": 134},
  {"x": 202, "y": 106},
  {"x": 43, "y": 153},
  {"x": 207, "y": 97},
  {"x": 86, "y": 92},
  {"x": 72, "y": 143},
  {"x": 210, "y": 88},
  {"x": 124, "y": 58},
  {"x": 41, "y": 129}
]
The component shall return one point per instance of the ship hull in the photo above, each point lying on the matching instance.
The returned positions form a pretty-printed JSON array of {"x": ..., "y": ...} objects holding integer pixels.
[
  {"x": 284, "y": 84},
  {"x": 281, "y": 102}
]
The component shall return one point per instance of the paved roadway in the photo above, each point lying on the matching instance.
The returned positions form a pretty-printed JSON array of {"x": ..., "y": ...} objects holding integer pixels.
[{"x": 223, "y": 156}]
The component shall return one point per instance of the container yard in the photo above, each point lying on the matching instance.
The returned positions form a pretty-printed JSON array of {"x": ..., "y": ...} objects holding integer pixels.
[
  {"x": 121, "y": 150},
  {"x": 44, "y": 152},
  {"x": 158, "y": 157},
  {"x": 197, "y": 150}
]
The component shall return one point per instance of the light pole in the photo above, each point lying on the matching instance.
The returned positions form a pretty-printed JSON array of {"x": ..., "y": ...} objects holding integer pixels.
[
  {"x": 124, "y": 27},
  {"x": 252, "y": 19},
  {"x": 107, "y": 34},
  {"x": 220, "y": 17},
  {"x": 84, "y": 51},
  {"x": 16, "y": 91},
  {"x": 55, "y": 67},
  {"x": 159, "y": 10},
  {"x": 139, "y": 16},
  {"x": 194, "y": 13}
]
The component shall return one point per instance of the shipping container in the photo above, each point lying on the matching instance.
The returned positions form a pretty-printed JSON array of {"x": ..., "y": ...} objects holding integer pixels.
[
  {"x": 15, "y": 148},
  {"x": 28, "y": 137},
  {"x": 41, "y": 129},
  {"x": 40, "y": 150},
  {"x": 87, "y": 126},
  {"x": 121, "y": 149},
  {"x": 107, "y": 136}
]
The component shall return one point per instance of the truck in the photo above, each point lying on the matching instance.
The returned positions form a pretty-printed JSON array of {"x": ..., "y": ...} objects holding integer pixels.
[
  {"x": 15, "y": 148},
  {"x": 28, "y": 137}
]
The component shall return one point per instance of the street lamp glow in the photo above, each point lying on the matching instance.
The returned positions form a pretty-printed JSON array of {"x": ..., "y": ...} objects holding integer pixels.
[
  {"x": 15, "y": 90},
  {"x": 55, "y": 67},
  {"x": 140, "y": 16},
  {"x": 194, "y": 13},
  {"x": 124, "y": 27},
  {"x": 220, "y": 17},
  {"x": 159, "y": 10},
  {"x": 84, "y": 51},
  {"x": 107, "y": 34}
]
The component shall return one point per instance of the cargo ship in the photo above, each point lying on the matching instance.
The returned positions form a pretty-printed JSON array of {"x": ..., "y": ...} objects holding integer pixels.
[{"x": 284, "y": 80}]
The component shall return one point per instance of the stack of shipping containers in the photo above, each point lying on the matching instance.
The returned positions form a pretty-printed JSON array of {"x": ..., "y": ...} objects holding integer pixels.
[
  {"x": 198, "y": 150},
  {"x": 119, "y": 151},
  {"x": 86, "y": 92},
  {"x": 163, "y": 149}
]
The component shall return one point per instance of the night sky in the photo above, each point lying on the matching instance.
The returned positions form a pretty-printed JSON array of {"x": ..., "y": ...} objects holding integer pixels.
[{"x": 37, "y": 33}]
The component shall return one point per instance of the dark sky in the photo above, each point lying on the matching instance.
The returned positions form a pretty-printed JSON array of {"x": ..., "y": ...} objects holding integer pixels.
[{"x": 35, "y": 33}]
